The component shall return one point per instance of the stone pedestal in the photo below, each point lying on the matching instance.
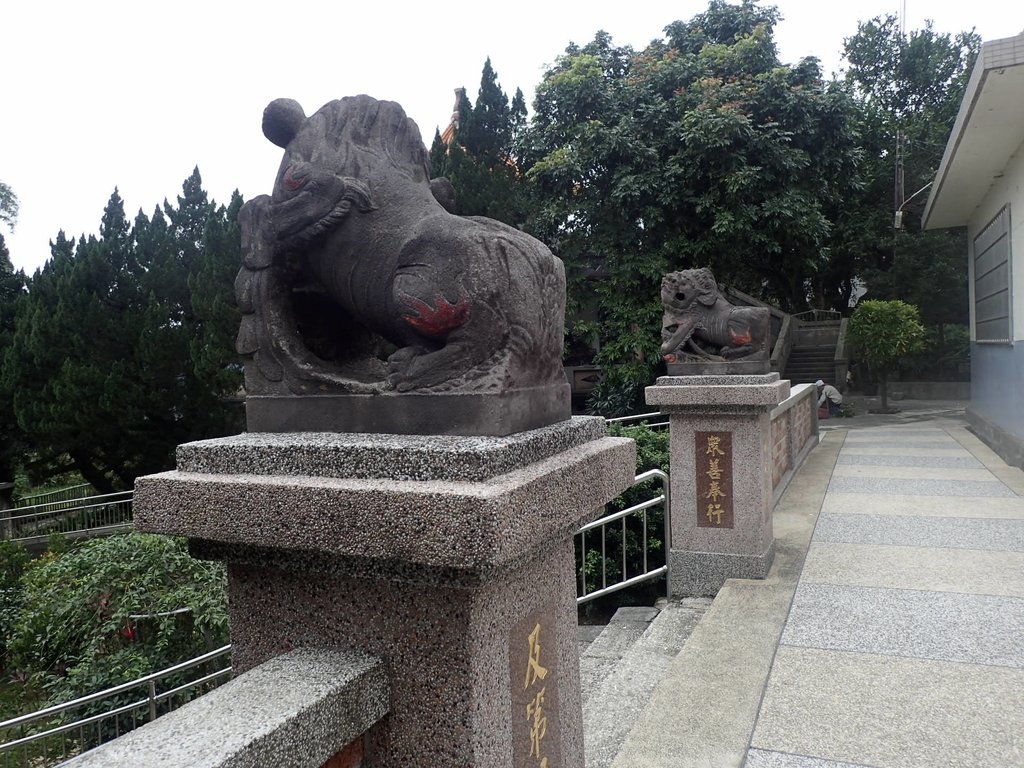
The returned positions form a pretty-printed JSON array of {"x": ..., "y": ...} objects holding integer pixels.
[
  {"x": 450, "y": 558},
  {"x": 721, "y": 472}
]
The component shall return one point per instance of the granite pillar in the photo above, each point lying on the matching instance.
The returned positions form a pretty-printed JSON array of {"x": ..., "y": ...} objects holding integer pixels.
[
  {"x": 448, "y": 557},
  {"x": 721, "y": 475}
]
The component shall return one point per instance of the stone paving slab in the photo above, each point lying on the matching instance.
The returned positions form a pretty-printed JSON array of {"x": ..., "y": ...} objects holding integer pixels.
[
  {"x": 839, "y": 503},
  {"x": 908, "y": 433},
  {"x": 910, "y": 472},
  {"x": 892, "y": 448},
  {"x": 891, "y": 711},
  {"x": 763, "y": 758},
  {"x": 868, "y": 439},
  {"x": 975, "y": 629},
  {"x": 906, "y": 446},
  {"x": 948, "y": 462},
  {"x": 907, "y": 486},
  {"x": 921, "y": 568},
  {"x": 951, "y": 532}
]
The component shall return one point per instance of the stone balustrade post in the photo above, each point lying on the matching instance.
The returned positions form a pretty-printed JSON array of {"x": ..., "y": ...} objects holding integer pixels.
[
  {"x": 721, "y": 470},
  {"x": 449, "y": 558}
]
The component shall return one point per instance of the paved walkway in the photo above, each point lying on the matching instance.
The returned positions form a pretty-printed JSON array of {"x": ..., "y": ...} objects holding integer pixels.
[
  {"x": 904, "y": 644},
  {"x": 898, "y": 641}
]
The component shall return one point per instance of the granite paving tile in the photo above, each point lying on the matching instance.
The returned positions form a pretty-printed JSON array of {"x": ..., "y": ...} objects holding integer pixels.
[
  {"x": 974, "y": 629},
  {"x": 922, "y": 568},
  {"x": 923, "y": 506},
  {"x": 880, "y": 460},
  {"x": 762, "y": 758},
  {"x": 911, "y": 472},
  {"x": 903, "y": 432},
  {"x": 952, "y": 532},
  {"x": 892, "y": 711},
  {"x": 909, "y": 486},
  {"x": 907, "y": 443},
  {"x": 894, "y": 448}
]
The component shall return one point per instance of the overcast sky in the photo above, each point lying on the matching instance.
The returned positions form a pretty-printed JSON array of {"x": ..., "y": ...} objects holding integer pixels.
[{"x": 134, "y": 95}]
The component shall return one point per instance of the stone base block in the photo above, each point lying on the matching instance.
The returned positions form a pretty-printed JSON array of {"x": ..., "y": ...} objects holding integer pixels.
[
  {"x": 412, "y": 413},
  {"x": 477, "y": 505},
  {"x": 702, "y": 574},
  {"x": 448, "y": 557}
]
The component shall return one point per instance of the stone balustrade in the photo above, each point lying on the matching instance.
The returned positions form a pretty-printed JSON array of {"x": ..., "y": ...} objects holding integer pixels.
[
  {"x": 307, "y": 708},
  {"x": 794, "y": 432}
]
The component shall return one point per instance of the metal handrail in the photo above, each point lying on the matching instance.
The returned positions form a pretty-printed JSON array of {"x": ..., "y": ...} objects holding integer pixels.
[
  {"x": 603, "y": 522},
  {"x": 95, "y": 501},
  {"x": 150, "y": 700},
  {"x": 819, "y": 316},
  {"x": 61, "y": 494},
  {"x": 640, "y": 417},
  {"x": 153, "y": 676},
  {"x": 106, "y": 514}
]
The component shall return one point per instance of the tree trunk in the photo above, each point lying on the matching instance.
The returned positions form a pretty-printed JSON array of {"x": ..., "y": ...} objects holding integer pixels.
[
  {"x": 97, "y": 478},
  {"x": 883, "y": 387}
]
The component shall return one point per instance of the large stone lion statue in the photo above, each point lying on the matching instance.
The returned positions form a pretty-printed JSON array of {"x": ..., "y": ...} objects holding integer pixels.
[
  {"x": 699, "y": 325},
  {"x": 356, "y": 279}
]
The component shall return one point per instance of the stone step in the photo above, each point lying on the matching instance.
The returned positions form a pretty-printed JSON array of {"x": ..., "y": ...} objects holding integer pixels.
[
  {"x": 704, "y": 707},
  {"x": 601, "y": 654},
  {"x": 612, "y": 705}
]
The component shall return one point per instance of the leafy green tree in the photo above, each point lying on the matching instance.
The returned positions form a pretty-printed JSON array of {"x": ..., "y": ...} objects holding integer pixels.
[
  {"x": 700, "y": 150},
  {"x": 8, "y": 205},
  {"x": 480, "y": 160},
  {"x": 909, "y": 87},
  {"x": 108, "y": 365},
  {"x": 113, "y": 609},
  {"x": 882, "y": 333}
]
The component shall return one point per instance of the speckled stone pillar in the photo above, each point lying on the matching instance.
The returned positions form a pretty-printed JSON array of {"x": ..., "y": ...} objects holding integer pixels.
[
  {"x": 721, "y": 475},
  {"x": 450, "y": 558}
]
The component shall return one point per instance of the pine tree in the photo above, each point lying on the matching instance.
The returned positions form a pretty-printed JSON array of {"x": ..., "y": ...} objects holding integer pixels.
[
  {"x": 12, "y": 287},
  {"x": 480, "y": 162},
  {"x": 109, "y": 364}
]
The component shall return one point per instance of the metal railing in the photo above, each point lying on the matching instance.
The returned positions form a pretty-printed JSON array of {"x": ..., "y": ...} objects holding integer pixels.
[
  {"x": 637, "y": 512},
  {"x": 829, "y": 316},
  {"x": 72, "y": 494},
  {"x": 106, "y": 513},
  {"x": 651, "y": 419},
  {"x": 46, "y": 737}
]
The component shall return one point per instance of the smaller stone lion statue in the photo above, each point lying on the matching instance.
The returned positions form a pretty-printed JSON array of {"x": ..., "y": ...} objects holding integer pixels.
[{"x": 699, "y": 325}]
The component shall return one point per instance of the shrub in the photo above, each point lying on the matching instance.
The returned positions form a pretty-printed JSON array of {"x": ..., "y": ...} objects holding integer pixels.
[{"x": 81, "y": 629}]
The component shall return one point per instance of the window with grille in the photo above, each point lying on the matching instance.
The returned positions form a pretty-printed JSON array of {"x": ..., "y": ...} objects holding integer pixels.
[{"x": 992, "y": 281}]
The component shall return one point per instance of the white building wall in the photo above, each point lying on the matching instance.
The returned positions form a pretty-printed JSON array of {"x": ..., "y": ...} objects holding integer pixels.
[{"x": 1009, "y": 189}]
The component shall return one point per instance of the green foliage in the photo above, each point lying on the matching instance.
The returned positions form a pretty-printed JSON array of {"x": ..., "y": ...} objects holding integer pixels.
[
  {"x": 90, "y": 617},
  {"x": 945, "y": 355},
  {"x": 480, "y": 161},
  {"x": 908, "y": 88},
  {"x": 120, "y": 349},
  {"x": 882, "y": 333},
  {"x": 14, "y": 558},
  {"x": 12, "y": 287},
  {"x": 8, "y": 205},
  {"x": 700, "y": 150},
  {"x": 652, "y": 452}
]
